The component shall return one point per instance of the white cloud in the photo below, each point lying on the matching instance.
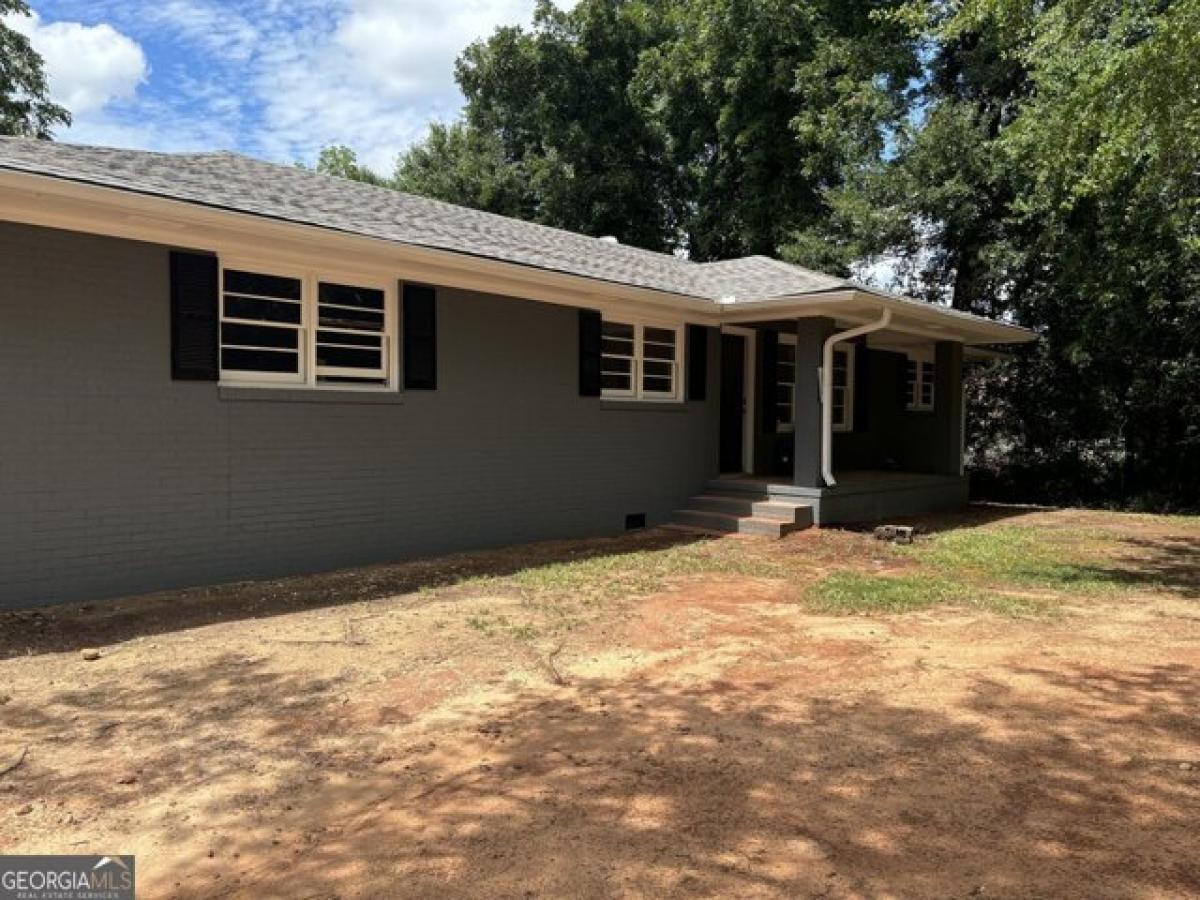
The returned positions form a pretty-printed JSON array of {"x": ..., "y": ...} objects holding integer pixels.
[
  {"x": 376, "y": 79},
  {"x": 88, "y": 66},
  {"x": 220, "y": 30},
  {"x": 278, "y": 79}
]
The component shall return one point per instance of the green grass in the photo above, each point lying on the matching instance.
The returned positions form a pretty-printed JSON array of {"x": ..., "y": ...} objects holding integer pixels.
[
  {"x": 1060, "y": 560},
  {"x": 857, "y": 593},
  {"x": 1007, "y": 569},
  {"x": 623, "y": 574},
  {"x": 992, "y": 568}
]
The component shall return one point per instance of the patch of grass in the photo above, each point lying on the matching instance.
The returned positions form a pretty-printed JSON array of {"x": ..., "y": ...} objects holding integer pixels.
[
  {"x": 1061, "y": 560},
  {"x": 850, "y": 593},
  {"x": 859, "y": 592},
  {"x": 638, "y": 572}
]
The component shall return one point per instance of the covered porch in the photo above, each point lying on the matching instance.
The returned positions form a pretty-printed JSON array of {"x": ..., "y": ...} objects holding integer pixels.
[{"x": 877, "y": 436}]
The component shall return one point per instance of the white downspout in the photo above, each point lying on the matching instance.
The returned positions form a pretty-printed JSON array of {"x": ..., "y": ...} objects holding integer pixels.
[{"x": 827, "y": 388}]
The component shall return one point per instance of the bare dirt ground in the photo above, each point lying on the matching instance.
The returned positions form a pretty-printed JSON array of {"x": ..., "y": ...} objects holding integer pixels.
[{"x": 656, "y": 716}]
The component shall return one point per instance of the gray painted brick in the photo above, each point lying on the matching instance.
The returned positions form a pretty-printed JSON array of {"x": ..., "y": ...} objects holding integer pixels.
[{"x": 115, "y": 479}]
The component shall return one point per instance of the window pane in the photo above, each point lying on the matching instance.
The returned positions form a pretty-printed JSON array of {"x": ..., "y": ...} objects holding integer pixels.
[
  {"x": 927, "y": 393},
  {"x": 787, "y": 354},
  {"x": 357, "y": 319},
  {"x": 259, "y": 336},
  {"x": 615, "y": 364},
  {"x": 259, "y": 361},
  {"x": 347, "y": 358},
  {"x": 615, "y": 382},
  {"x": 350, "y": 337},
  {"x": 617, "y": 330},
  {"x": 615, "y": 347},
  {"x": 657, "y": 385},
  {"x": 659, "y": 336},
  {"x": 262, "y": 310},
  {"x": 348, "y": 295},
  {"x": 659, "y": 351},
  {"x": 657, "y": 369},
  {"x": 262, "y": 285},
  {"x": 783, "y": 394}
]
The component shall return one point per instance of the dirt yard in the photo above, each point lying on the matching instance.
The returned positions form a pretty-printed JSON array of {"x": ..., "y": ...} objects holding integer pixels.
[{"x": 1008, "y": 708}]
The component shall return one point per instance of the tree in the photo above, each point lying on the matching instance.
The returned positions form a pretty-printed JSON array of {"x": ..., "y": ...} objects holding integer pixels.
[
  {"x": 766, "y": 105},
  {"x": 462, "y": 165},
  {"x": 1058, "y": 183},
  {"x": 709, "y": 126},
  {"x": 25, "y": 107},
  {"x": 342, "y": 161},
  {"x": 553, "y": 103}
]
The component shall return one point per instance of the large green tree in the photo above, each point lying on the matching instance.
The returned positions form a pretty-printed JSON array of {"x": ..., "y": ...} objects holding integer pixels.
[
  {"x": 1033, "y": 160},
  {"x": 25, "y": 107},
  {"x": 712, "y": 127},
  {"x": 1051, "y": 175}
]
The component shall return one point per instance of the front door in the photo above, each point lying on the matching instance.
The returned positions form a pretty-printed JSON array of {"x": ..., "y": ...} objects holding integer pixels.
[{"x": 733, "y": 402}]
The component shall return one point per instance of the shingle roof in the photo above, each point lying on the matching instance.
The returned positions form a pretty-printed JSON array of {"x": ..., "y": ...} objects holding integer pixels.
[{"x": 240, "y": 183}]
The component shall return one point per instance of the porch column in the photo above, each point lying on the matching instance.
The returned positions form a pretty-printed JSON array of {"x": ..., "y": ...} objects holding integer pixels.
[
  {"x": 810, "y": 339},
  {"x": 948, "y": 407}
]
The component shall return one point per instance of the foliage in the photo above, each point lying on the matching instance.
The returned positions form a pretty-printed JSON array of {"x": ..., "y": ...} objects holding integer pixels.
[
  {"x": 25, "y": 107},
  {"x": 468, "y": 167},
  {"x": 710, "y": 126},
  {"x": 343, "y": 162},
  {"x": 1036, "y": 161}
]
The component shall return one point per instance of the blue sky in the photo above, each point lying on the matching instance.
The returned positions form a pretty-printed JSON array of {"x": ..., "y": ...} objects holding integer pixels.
[{"x": 278, "y": 79}]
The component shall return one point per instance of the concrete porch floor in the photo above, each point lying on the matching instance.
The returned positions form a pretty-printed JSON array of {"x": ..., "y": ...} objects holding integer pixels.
[{"x": 860, "y": 496}]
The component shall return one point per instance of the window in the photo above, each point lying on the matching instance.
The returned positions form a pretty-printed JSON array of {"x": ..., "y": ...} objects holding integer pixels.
[
  {"x": 919, "y": 379},
  {"x": 294, "y": 329},
  {"x": 351, "y": 344},
  {"x": 262, "y": 318},
  {"x": 785, "y": 386},
  {"x": 639, "y": 361},
  {"x": 842, "y": 400}
]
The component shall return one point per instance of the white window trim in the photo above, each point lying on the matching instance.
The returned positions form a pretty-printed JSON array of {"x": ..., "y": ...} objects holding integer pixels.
[
  {"x": 309, "y": 280},
  {"x": 850, "y": 350},
  {"x": 788, "y": 427},
  {"x": 920, "y": 357},
  {"x": 637, "y": 393}
]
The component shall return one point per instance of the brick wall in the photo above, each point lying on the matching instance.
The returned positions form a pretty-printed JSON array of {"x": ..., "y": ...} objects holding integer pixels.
[{"x": 115, "y": 479}]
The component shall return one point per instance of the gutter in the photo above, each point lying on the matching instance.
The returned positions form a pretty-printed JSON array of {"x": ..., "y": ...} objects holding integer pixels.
[{"x": 827, "y": 388}]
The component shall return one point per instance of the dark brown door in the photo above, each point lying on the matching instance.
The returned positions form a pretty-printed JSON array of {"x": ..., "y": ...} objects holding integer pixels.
[{"x": 733, "y": 400}]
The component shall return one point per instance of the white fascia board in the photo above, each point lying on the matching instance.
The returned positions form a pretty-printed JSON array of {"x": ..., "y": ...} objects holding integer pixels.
[
  {"x": 55, "y": 202},
  {"x": 73, "y": 206},
  {"x": 855, "y": 307}
]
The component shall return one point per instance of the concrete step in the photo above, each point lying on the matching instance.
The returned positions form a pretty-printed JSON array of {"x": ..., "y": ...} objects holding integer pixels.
[
  {"x": 740, "y": 505},
  {"x": 735, "y": 524}
]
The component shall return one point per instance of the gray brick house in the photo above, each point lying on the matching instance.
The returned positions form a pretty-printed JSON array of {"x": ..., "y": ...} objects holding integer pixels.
[{"x": 217, "y": 368}]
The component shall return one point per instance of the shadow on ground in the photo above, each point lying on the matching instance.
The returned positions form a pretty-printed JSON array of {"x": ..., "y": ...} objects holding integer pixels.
[
  {"x": 640, "y": 787},
  {"x": 71, "y": 626}
]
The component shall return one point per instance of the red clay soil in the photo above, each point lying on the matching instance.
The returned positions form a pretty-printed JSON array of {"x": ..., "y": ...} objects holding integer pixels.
[{"x": 339, "y": 737}]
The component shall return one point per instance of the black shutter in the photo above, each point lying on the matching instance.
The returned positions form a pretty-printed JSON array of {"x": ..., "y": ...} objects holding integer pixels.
[
  {"x": 194, "y": 317},
  {"x": 420, "y": 337},
  {"x": 768, "y": 409},
  {"x": 862, "y": 387},
  {"x": 589, "y": 353},
  {"x": 697, "y": 362}
]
